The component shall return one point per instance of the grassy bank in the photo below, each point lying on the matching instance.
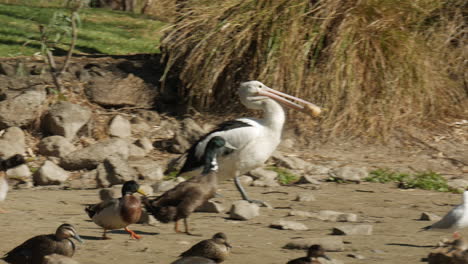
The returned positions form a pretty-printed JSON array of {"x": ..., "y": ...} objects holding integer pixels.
[{"x": 102, "y": 31}]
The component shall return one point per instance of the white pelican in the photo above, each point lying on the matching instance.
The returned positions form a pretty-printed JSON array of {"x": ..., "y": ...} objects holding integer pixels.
[{"x": 254, "y": 139}]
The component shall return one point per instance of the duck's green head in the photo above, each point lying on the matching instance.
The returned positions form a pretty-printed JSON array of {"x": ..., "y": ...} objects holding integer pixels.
[
  {"x": 131, "y": 187},
  {"x": 212, "y": 149}
]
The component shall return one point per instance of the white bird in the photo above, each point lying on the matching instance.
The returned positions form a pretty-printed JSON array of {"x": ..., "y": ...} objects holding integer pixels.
[
  {"x": 254, "y": 139},
  {"x": 6, "y": 164},
  {"x": 454, "y": 220}
]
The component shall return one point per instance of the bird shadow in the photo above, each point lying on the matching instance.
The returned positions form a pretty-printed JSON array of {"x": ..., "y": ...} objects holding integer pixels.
[
  {"x": 410, "y": 245},
  {"x": 136, "y": 231},
  {"x": 90, "y": 237}
]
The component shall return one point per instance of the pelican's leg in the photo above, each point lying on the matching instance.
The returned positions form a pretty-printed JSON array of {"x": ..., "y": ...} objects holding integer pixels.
[
  {"x": 176, "y": 227},
  {"x": 244, "y": 194},
  {"x": 132, "y": 234}
]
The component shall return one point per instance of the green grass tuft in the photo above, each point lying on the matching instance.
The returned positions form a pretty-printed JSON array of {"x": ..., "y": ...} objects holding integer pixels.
[
  {"x": 284, "y": 175},
  {"x": 102, "y": 31},
  {"x": 421, "y": 180},
  {"x": 171, "y": 176}
]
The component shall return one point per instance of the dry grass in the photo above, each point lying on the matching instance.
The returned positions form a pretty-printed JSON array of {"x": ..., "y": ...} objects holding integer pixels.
[{"x": 376, "y": 65}]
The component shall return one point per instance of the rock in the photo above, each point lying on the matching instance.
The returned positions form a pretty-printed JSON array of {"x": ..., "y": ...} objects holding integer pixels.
[
  {"x": 7, "y": 69},
  {"x": 50, "y": 174},
  {"x": 290, "y": 162},
  {"x": 305, "y": 197},
  {"x": 58, "y": 259},
  {"x": 243, "y": 210},
  {"x": 245, "y": 180},
  {"x": 300, "y": 213},
  {"x": 22, "y": 109},
  {"x": 288, "y": 225},
  {"x": 318, "y": 170},
  {"x": 309, "y": 179},
  {"x": 135, "y": 152},
  {"x": 425, "y": 216},
  {"x": 211, "y": 207},
  {"x": 91, "y": 156},
  {"x": 145, "y": 144},
  {"x": 65, "y": 119},
  {"x": 22, "y": 171},
  {"x": 12, "y": 142},
  {"x": 188, "y": 134},
  {"x": 349, "y": 174},
  {"x": 164, "y": 186},
  {"x": 107, "y": 194},
  {"x": 458, "y": 184},
  {"x": 114, "y": 170},
  {"x": 328, "y": 215},
  {"x": 120, "y": 127},
  {"x": 56, "y": 146},
  {"x": 128, "y": 91},
  {"x": 334, "y": 244},
  {"x": 263, "y": 174},
  {"x": 353, "y": 230},
  {"x": 149, "y": 170}
]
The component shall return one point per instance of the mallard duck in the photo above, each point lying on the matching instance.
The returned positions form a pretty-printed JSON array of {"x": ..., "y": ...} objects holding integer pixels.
[
  {"x": 120, "y": 212},
  {"x": 314, "y": 252},
  {"x": 6, "y": 164},
  {"x": 216, "y": 248},
  {"x": 180, "y": 201},
  {"x": 33, "y": 250}
]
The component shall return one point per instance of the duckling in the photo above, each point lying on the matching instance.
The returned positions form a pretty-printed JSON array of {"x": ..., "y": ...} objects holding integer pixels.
[
  {"x": 33, "y": 250},
  {"x": 216, "y": 248},
  {"x": 6, "y": 164},
  {"x": 194, "y": 260},
  {"x": 119, "y": 212},
  {"x": 180, "y": 201},
  {"x": 314, "y": 252}
]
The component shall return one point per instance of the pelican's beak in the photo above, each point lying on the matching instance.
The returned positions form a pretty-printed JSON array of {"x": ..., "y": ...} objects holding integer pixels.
[
  {"x": 307, "y": 107},
  {"x": 140, "y": 191},
  {"x": 78, "y": 238}
]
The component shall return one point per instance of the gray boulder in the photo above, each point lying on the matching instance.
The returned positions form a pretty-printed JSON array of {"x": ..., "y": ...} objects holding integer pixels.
[
  {"x": 12, "y": 142},
  {"x": 66, "y": 119},
  {"x": 91, "y": 156},
  {"x": 22, "y": 171},
  {"x": 56, "y": 146},
  {"x": 149, "y": 170},
  {"x": 352, "y": 230},
  {"x": 349, "y": 174},
  {"x": 243, "y": 210},
  {"x": 290, "y": 162},
  {"x": 22, "y": 109},
  {"x": 211, "y": 207},
  {"x": 114, "y": 170},
  {"x": 289, "y": 225},
  {"x": 305, "y": 197},
  {"x": 50, "y": 174},
  {"x": 120, "y": 127}
]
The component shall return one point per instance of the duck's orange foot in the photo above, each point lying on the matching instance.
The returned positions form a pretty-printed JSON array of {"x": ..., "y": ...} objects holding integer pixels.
[
  {"x": 132, "y": 234},
  {"x": 2, "y": 211}
]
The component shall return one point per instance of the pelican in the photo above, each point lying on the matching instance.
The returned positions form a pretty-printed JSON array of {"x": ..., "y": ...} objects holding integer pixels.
[{"x": 254, "y": 139}]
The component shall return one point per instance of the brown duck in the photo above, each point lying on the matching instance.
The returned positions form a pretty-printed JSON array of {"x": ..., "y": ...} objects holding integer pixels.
[
  {"x": 6, "y": 164},
  {"x": 33, "y": 250},
  {"x": 118, "y": 213},
  {"x": 314, "y": 252},
  {"x": 180, "y": 201},
  {"x": 216, "y": 249}
]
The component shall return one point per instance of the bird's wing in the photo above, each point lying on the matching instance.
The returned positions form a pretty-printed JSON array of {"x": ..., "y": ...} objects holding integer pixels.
[
  {"x": 450, "y": 219},
  {"x": 196, "y": 250},
  {"x": 237, "y": 133},
  {"x": 97, "y": 208},
  {"x": 31, "y": 248}
]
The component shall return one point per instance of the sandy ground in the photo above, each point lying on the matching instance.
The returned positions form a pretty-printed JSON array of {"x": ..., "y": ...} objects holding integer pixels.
[{"x": 393, "y": 213}]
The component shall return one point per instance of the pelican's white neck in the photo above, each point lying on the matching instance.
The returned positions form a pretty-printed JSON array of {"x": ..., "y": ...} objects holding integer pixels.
[
  {"x": 273, "y": 115},
  {"x": 465, "y": 198}
]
